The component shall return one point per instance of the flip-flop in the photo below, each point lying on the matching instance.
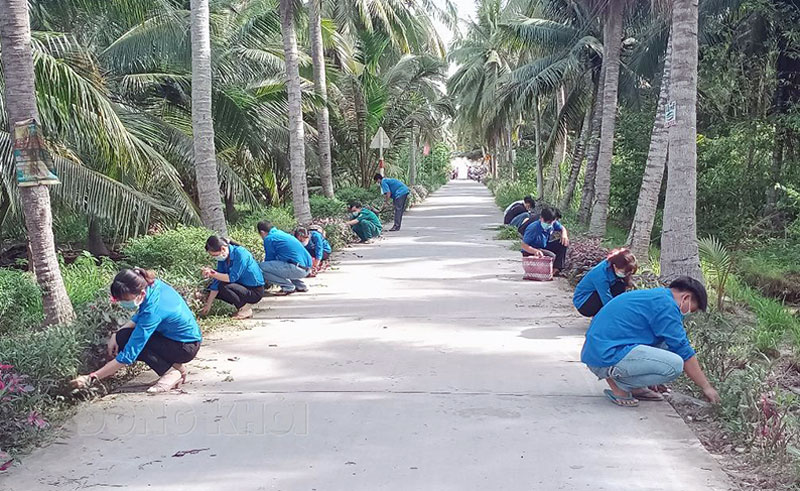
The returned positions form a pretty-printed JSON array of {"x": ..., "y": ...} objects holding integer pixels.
[
  {"x": 621, "y": 401},
  {"x": 649, "y": 395}
]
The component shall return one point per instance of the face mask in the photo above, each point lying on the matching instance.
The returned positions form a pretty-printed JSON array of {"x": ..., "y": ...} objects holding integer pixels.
[
  {"x": 130, "y": 304},
  {"x": 620, "y": 274},
  {"x": 547, "y": 226},
  {"x": 223, "y": 256},
  {"x": 685, "y": 313}
]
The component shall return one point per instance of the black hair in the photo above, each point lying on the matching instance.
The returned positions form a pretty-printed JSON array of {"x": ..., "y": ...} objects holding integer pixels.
[
  {"x": 548, "y": 215},
  {"x": 353, "y": 204},
  {"x": 529, "y": 199},
  {"x": 691, "y": 285},
  {"x": 377, "y": 177},
  {"x": 264, "y": 226},
  {"x": 131, "y": 282},
  {"x": 557, "y": 213},
  {"x": 215, "y": 243},
  {"x": 301, "y": 232}
]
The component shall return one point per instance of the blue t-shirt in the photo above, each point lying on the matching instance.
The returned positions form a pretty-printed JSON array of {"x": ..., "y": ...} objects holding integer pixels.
[
  {"x": 537, "y": 237},
  {"x": 318, "y": 245},
  {"x": 280, "y": 246},
  {"x": 599, "y": 279},
  {"x": 393, "y": 186},
  {"x": 640, "y": 317},
  {"x": 241, "y": 267},
  {"x": 163, "y": 311}
]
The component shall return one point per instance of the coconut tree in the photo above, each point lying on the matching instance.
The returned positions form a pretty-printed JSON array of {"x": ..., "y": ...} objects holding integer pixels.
[
  {"x": 297, "y": 150},
  {"x": 20, "y": 105},
  {"x": 679, "y": 249},
  {"x": 320, "y": 86},
  {"x": 205, "y": 166},
  {"x": 612, "y": 45}
]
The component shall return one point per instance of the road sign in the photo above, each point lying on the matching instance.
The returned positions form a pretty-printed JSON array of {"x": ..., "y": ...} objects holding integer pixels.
[
  {"x": 380, "y": 140},
  {"x": 669, "y": 114}
]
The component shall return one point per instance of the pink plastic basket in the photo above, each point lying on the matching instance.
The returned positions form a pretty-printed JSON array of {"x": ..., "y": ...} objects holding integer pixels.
[{"x": 537, "y": 268}]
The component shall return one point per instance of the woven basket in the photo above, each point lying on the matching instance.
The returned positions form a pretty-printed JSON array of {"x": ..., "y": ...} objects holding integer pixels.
[{"x": 537, "y": 268}]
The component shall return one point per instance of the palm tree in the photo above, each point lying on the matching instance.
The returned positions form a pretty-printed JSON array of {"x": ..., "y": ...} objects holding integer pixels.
[
  {"x": 679, "y": 249},
  {"x": 612, "y": 44},
  {"x": 642, "y": 226},
  {"x": 20, "y": 105},
  {"x": 202, "y": 123},
  {"x": 297, "y": 150},
  {"x": 320, "y": 85}
]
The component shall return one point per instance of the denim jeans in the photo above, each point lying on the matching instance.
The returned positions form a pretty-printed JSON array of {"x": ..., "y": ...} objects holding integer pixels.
[
  {"x": 399, "y": 209},
  {"x": 643, "y": 366},
  {"x": 517, "y": 220},
  {"x": 287, "y": 276}
]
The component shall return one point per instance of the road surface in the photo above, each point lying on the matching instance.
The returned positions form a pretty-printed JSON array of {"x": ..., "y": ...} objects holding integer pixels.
[{"x": 422, "y": 362}]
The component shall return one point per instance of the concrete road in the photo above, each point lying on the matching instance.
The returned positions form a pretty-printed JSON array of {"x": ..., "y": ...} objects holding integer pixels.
[{"x": 422, "y": 362}]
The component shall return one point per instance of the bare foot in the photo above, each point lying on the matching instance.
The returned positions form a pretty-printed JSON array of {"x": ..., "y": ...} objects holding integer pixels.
[
  {"x": 244, "y": 313},
  {"x": 182, "y": 370}
]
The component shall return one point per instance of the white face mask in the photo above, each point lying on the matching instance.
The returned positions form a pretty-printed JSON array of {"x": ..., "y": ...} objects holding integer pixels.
[
  {"x": 222, "y": 255},
  {"x": 689, "y": 311}
]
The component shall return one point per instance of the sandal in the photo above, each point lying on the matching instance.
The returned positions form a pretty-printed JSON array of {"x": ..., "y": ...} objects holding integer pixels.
[
  {"x": 182, "y": 370},
  {"x": 167, "y": 382},
  {"x": 245, "y": 312},
  {"x": 628, "y": 401},
  {"x": 645, "y": 394}
]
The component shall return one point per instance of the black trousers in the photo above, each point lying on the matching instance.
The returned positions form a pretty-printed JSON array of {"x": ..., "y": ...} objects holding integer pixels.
[
  {"x": 160, "y": 353},
  {"x": 399, "y": 209},
  {"x": 593, "y": 304},
  {"x": 240, "y": 295},
  {"x": 557, "y": 251}
]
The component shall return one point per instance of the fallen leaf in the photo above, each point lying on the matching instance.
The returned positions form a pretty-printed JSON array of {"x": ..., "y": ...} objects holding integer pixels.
[
  {"x": 233, "y": 358},
  {"x": 194, "y": 451}
]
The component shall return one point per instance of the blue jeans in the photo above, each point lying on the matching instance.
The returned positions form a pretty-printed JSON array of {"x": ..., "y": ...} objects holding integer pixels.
[
  {"x": 285, "y": 275},
  {"x": 517, "y": 220},
  {"x": 643, "y": 366}
]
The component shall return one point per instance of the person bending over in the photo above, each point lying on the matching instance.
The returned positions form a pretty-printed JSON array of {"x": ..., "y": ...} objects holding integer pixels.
[
  {"x": 394, "y": 191},
  {"x": 536, "y": 241},
  {"x": 237, "y": 279},
  {"x": 611, "y": 277},
  {"x": 637, "y": 341},
  {"x": 316, "y": 245},
  {"x": 364, "y": 223},
  {"x": 163, "y": 332},
  {"x": 518, "y": 211},
  {"x": 286, "y": 260}
]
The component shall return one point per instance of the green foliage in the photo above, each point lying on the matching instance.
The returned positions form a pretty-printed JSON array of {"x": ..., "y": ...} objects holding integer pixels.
[
  {"x": 20, "y": 302},
  {"x": 507, "y": 232},
  {"x": 507, "y": 192},
  {"x": 280, "y": 216},
  {"x": 362, "y": 195},
  {"x": 322, "y": 207},
  {"x": 180, "y": 250},
  {"x": 717, "y": 266},
  {"x": 85, "y": 279}
]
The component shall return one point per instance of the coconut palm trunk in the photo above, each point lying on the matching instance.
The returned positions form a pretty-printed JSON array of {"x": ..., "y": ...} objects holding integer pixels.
[
  {"x": 679, "y": 250},
  {"x": 612, "y": 45},
  {"x": 320, "y": 86},
  {"x": 297, "y": 153},
  {"x": 577, "y": 160},
  {"x": 205, "y": 157},
  {"x": 642, "y": 226},
  {"x": 587, "y": 194},
  {"x": 17, "y": 58},
  {"x": 537, "y": 128},
  {"x": 412, "y": 158}
]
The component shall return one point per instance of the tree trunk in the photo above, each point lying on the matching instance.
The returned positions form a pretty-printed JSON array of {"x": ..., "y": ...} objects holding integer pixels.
[
  {"x": 612, "y": 45},
  {"x": 587, "y": 194},
  {"x": 560, "y": 152},
  {"x": 94, "y": 239},
  {"x": 412, "y": 159},
  {"x": 17, "y": 58},
  {"x": 538, "y": 141},
  {"x": 205, "y": 157},
  {"x": 320, "y": 86},
  {"x": 230, "y": 208},
  {"x": 297, "y": 153},
  {"x": 577, "y": 159},
  {"x": 679, "y": 251},
  {"x": 642, "y": 226}
]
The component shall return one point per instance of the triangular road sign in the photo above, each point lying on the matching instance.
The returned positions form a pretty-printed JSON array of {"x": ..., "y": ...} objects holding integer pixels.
[{"x": 380, "y": 140}]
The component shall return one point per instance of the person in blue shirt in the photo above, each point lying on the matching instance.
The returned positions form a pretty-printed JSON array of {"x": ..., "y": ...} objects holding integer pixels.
[
  {"x": 286, "y": 260},
  {"x": 394, "y": 190},
  {"x": 163, "y": 332},
  {"x": 536, "y": 240},
  {"x": 637, "y": 341},
  {"x": 611, "y": 277},
  {"x": 317, "y": 245},
  {"x": 237, "y": 280}
]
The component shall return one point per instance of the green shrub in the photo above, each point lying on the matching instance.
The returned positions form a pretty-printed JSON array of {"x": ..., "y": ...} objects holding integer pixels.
[
  {"x": 85, "y": 280},
  {"x": 249, "y": 238},
  {"x": 507, "y": 192},
  {"x": 20, "y": 301},
  {"x": 322, "y": 207},
  {"x": 507, "y": 232},
  {"x": 179, "y": 251},
  {"x": 280, "y": 216},
  {"x": 362, "y": 195}
]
